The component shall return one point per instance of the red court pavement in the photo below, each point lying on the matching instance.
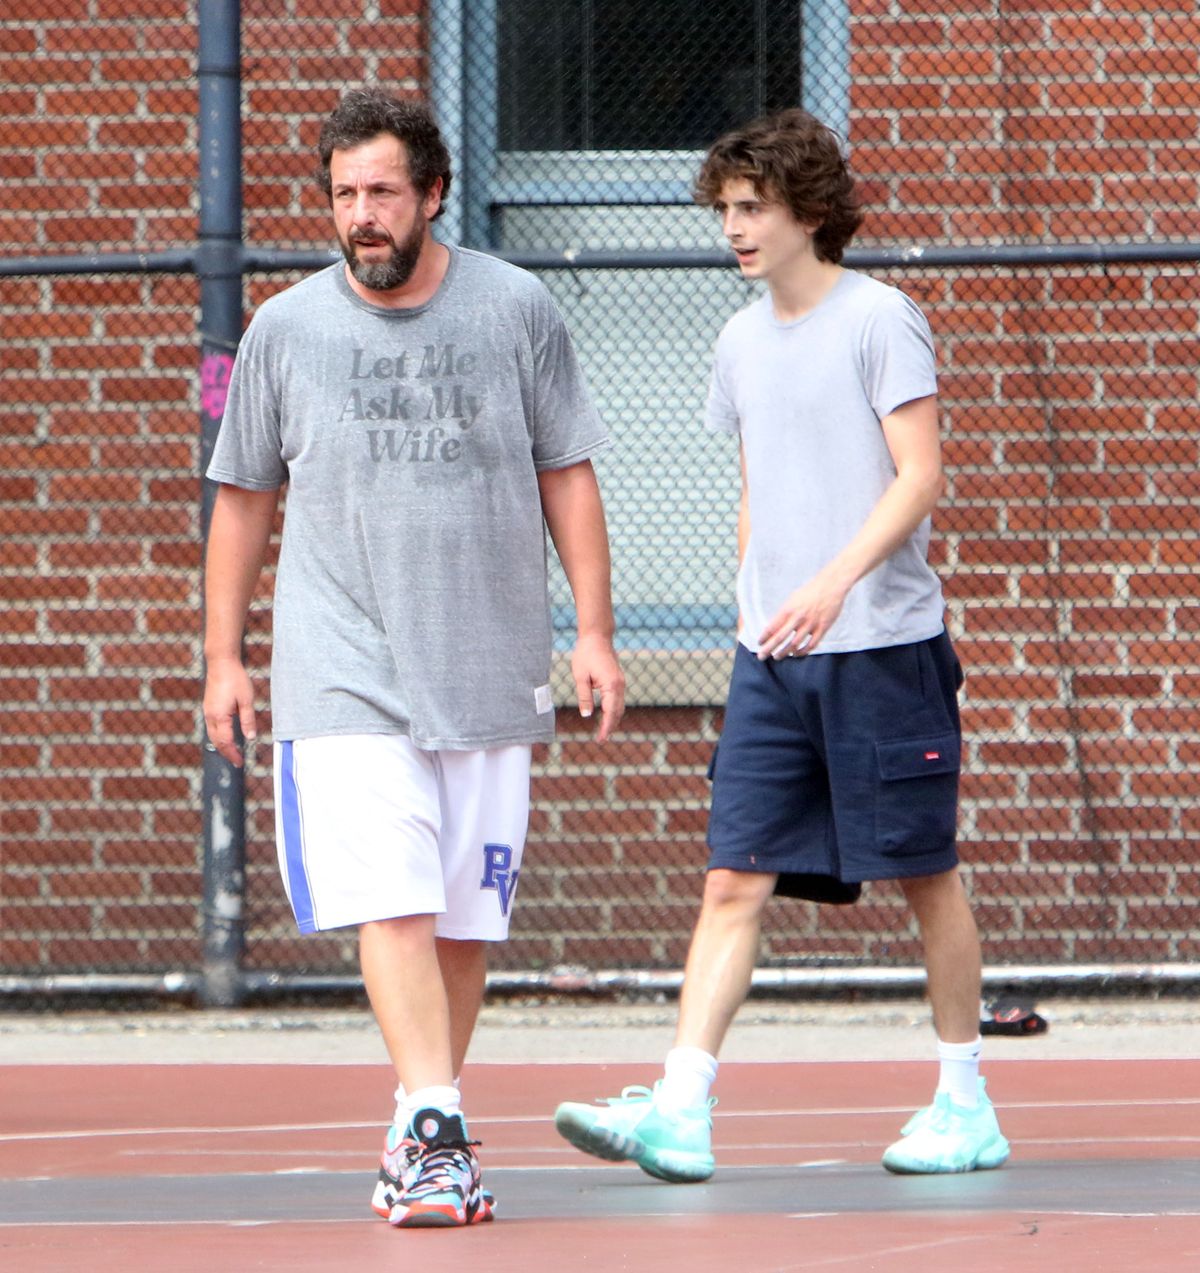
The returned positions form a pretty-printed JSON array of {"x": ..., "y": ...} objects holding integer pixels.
[{"x": 194, "y": 1167}]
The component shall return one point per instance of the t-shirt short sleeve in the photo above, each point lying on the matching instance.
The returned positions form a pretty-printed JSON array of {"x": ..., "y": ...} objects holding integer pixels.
[
  {"x": 898, "y": 357},
  {"x": 248, "y": 452},
  {"x": 720, "y": 415},
  {"x": 566, "y": 427}
]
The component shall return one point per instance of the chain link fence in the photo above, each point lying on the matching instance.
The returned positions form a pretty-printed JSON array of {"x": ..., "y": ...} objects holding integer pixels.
[{"x": 1030, "y": 175}]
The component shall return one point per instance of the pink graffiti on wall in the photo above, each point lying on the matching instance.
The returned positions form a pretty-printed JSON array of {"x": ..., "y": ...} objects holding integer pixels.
[{"x": 215, "y": 370}]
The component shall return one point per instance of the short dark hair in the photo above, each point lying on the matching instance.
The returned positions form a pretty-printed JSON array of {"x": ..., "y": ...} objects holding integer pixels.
[
  {"x": 792, "y": 157},
  {"x": 364, "y": 114}
]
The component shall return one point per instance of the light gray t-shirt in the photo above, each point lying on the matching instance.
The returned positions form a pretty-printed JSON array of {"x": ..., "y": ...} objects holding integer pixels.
[
  {"x": 411, "y": 594},
  {"x": 806, "y": 398}
]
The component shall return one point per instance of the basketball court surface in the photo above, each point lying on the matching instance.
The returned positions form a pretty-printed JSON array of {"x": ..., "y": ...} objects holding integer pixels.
[{"x": 109, "y": 1162}]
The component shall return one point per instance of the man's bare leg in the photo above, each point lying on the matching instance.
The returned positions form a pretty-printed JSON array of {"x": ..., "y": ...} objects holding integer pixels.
[
  {"x": 959, "y": 1131},
  {"x": 403, "y": 979},
  {"x": 670, "y": 1135},
  {"x": 464, "y": 976},
  {"x": 425, "y": 994},
  {"x": 721, "y": 957},
  {"x": 952, "y": 961}
]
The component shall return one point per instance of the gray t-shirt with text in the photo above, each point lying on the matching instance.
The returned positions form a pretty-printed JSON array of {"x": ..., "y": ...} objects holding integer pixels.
[
  {"x": 806, "y": 398},
  {"x": 411, "y": 594}
]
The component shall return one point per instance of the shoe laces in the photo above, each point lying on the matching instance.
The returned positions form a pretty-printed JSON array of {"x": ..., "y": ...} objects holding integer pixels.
[
  {"x": 634, "y": 1092},
  {"x": 443, "y": 1165},
  {"x": 949, "y": 1119},
  {"x": 402, "y": 1155},
  {"x": 442, "y": 1152}
]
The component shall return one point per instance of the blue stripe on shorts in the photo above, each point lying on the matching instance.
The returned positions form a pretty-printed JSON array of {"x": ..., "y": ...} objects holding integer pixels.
[{"x": 299, "y": 893}]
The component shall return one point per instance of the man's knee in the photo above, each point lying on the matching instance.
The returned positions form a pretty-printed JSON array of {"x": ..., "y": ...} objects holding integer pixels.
[
  {"x": 938, "y": 901},
  {"x": 402, "y": 930},
  {"x": 946, "y": 884},
  {"x": 462, "y": 954},
  {"x": 736, "y": 891}
]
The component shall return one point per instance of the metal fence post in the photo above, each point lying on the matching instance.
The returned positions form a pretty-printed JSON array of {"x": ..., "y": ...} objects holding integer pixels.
[
  {"x": 220, "y": 270},
  {"x": 446, "y": 96}
]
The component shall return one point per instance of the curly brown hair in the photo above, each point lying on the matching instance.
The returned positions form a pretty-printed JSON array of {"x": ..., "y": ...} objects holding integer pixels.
[
  {"x": 364, "y": 114},
  {"x": 793, "y": 158}
]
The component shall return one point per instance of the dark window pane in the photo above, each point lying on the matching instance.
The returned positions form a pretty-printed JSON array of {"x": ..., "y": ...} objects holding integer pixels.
[
  {"x": 642, "y": 74},
  {"x": 540, "y": 53}
]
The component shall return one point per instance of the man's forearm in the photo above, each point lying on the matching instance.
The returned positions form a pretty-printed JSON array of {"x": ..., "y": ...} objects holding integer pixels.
[
  {"x": 574, "y": 513},
  {"x": 911, "y": 432},
  {"x": 901, "y": 509},
  {"x": 237, "y": 547}
]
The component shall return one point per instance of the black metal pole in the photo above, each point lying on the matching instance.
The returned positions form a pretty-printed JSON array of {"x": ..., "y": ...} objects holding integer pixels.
[
  {"x": 219, "y": 260},
  {"x": 915, "y": 257}
]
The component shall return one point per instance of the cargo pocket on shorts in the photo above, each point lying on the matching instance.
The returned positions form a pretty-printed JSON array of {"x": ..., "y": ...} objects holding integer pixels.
[{"x": 917, "y": 805}]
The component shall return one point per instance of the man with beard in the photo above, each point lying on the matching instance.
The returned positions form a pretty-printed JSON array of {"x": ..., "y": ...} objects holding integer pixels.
[{"x": 424, "y": 406}]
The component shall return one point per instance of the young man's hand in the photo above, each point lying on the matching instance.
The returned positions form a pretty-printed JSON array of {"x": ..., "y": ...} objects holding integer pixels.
[{"x": 803, "y": 619}]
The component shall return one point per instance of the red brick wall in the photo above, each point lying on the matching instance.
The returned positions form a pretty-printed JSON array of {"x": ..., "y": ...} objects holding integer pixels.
[{"x": 1067, "y": 540}]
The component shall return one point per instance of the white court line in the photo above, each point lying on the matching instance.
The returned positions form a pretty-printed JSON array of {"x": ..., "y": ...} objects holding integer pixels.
[
  {"x": 507, "y": 1120},
  {"x": 841, "y": 1111},
  {"x": 540, "y": 1154},
  {"x": 1109, "y": 1140},
  {"x": 93, "y": 1223},
  {"x": 108, "y": 1132},
  {"x": 311, "y": 1152},
  {"x": 159, "y": 1224}
]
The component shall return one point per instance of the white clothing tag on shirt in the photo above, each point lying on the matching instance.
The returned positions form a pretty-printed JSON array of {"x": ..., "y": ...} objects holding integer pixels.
[{"x": 542, "y": 701}]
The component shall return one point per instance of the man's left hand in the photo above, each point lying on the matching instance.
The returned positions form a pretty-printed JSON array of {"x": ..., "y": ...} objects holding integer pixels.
[{"x": 596, "y": 670}]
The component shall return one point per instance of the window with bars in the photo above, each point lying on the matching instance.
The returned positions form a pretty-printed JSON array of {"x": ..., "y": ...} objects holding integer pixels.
[{"x": 626, "y": 75}]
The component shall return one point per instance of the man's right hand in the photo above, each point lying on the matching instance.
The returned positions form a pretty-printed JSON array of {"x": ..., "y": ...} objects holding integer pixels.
[{"x": 228, "y": 696}]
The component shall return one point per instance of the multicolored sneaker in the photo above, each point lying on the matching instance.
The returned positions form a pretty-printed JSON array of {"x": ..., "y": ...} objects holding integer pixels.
[
  {"x": 945, "y": 1137},
  {"x": 674, "y": 1145},
  {"x": 397, "y": 1167},
  {"x": 442, "y": 1188}
]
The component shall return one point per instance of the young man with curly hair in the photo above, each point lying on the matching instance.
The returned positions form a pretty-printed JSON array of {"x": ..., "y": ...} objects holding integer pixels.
[{"x": 839, "y": 758}]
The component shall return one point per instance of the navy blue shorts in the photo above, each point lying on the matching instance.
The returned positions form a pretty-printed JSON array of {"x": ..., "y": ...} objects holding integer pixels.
[{"x": 839, "y": 768}]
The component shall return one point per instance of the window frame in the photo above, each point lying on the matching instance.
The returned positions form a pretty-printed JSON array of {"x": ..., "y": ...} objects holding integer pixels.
[
  {"x": 463, "y": 89},
  {"x": 464, "y": 84}
]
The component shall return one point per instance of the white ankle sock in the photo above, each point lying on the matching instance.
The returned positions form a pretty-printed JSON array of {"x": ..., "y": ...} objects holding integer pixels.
[
  {"x": 404, "y": 1112},
  {"x": 688, "y": 1073},
  {"x": 959, "y": 1071},
  {"x": 447, "y": 1099}
]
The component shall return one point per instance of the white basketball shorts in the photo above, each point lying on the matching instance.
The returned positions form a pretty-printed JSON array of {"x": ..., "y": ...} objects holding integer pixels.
[{"x": 370, "y": 827}]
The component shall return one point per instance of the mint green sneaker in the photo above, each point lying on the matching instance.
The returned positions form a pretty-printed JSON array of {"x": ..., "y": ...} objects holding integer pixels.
[
  {"x": 945, "y": 1137},
  {"x": 674, "y": 1145},
  {"x": 922, "y": 1116}
]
